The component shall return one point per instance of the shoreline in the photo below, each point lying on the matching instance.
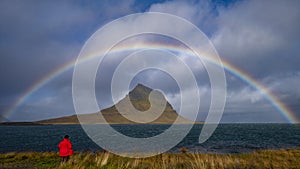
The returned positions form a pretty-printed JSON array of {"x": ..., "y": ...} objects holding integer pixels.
[
  {"x": 283, "y": 158},
  {"x": 197, "y": 122},
  {"x": 42, "y": 124},
  {"x": 180, "y": 150}
]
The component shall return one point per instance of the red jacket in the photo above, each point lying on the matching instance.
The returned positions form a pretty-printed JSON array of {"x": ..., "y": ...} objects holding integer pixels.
[{"x": 65, "y": 148}]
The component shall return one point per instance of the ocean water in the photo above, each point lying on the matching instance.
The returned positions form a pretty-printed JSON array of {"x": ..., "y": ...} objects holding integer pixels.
[{"x": 228, "y": 138}]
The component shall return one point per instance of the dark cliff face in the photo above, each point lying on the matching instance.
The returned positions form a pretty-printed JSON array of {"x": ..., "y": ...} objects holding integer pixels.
[
  {"x": 140, "y": 93},
  {"x": 139, "y": 97}
]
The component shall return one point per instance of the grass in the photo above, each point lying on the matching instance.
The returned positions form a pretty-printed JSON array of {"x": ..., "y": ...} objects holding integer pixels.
[{"x": 261, "y": 159}]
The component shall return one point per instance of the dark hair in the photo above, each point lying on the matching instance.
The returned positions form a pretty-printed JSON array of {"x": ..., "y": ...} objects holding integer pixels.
[{"x": 66, "y": 136}]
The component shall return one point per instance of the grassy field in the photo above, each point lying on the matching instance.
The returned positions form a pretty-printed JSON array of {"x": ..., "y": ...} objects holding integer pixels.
[{"x": 261, "y": 159}]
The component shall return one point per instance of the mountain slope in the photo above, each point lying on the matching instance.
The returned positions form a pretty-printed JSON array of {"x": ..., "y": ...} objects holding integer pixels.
[{"x": 139, "y": 99}]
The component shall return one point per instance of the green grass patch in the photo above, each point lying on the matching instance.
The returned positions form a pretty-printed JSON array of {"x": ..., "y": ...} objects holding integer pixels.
[{"x": 261, "y": 159}]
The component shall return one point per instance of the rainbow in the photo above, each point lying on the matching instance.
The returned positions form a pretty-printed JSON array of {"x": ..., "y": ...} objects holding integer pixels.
[{"x": 276, "y": 103}]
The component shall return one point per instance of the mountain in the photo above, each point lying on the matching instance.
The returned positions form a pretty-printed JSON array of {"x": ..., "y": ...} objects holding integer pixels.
[{"x": 139, "y": 98}]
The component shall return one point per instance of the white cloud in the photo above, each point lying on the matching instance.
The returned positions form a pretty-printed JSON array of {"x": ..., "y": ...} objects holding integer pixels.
[
  {"x": 197, "y": 12},
  {"x": 286, "y": 86},
  {"x": 258, "y": 31},
  {"x": 178, "y": 8}
]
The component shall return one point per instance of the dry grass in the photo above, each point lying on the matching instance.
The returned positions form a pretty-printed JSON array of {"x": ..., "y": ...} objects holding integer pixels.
[{"x": 262, "y": 159}]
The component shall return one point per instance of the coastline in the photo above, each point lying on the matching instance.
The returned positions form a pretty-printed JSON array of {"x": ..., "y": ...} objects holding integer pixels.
[
  {"x": 67, "y": 123},
  {"x": 21, "y": 124},
  {"x": 282, "y": 158}
]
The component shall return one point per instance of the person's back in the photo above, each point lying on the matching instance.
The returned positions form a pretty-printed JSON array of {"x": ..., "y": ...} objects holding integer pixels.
[{"x": 65, "y": 148}]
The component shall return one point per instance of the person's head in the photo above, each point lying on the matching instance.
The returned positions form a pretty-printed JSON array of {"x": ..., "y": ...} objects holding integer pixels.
[{"x": 66, "y": 137}]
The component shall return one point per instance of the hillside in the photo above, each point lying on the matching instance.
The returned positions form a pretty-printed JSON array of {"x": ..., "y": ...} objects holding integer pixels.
[{"x": 139, "y": 99}]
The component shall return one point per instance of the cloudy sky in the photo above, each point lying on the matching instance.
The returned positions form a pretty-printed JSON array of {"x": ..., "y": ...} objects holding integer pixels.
[{"x": 259, "y": 38}]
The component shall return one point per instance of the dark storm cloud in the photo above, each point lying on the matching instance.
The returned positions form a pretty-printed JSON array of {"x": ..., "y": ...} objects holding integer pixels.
[
  {"x": 38, "y": 37},
  {"x": 259, "y": 37},
  {"x": 32, "y": 46}
]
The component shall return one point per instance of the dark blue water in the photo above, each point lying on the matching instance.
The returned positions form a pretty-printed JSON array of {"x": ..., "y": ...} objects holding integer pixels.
[{"x": 228, "y": 138}]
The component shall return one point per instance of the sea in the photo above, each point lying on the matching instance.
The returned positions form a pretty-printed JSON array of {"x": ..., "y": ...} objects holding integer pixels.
[{"x": 227, "y": 138}]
